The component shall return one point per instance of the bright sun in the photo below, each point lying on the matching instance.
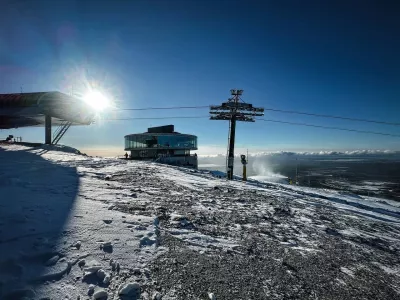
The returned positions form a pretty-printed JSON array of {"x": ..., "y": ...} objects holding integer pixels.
[{"x": 97, "y": 100}]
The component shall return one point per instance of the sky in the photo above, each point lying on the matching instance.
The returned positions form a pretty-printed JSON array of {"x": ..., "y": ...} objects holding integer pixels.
[{"x": 324, "y": 57}]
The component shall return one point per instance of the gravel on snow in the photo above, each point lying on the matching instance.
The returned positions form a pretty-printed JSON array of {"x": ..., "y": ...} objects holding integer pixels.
[{"x": 148, "y": 231}]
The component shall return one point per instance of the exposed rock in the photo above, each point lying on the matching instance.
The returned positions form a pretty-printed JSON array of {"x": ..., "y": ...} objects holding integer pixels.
[
  {"x": 81, "y": 263},
  {"x": 91, "y": 289},
  {"x": 113, "y": 264},
  {"x": 146, "y": 241},
  {"x": 107, "y": 245},
  {"x": 101, "y": 274},
  {"x": 156, "y": 296},
  {"x": 100, "y": 295},
  {"x": 92, "y": 267},
  {"x": 107, "y": 279},
  {"x": 129, "y": 289},
  {"x": 78, "y": 245}
]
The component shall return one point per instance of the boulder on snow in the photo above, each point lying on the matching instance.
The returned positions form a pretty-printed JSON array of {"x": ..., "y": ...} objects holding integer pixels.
[
  {"x": 107, "y": 279},
  {"x": 78, "y": 245},
  {"x": 100, "y": 295},
  {"x": 180, "y": 220},
  {"x": 113, "y": 264},
  {"x": 92, "y": 267},
  {"x": 332, "y": 231},
  {"x": 129, "y": 289},
  {"x": 81, "y": 263},
  {"x": 91, "y": 270},
  {"x": 156, "y": 296},
  {"x": 91, "y": 289},
  {"x": 101, "y": 274},
  {"x": 146, "y": 271},
  {"x": 107, "y": 245},
  {"x": 146, "y": 241}
]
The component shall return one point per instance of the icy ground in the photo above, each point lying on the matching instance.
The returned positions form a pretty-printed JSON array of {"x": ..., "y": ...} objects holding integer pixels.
[{"x": 77, "y": 227}]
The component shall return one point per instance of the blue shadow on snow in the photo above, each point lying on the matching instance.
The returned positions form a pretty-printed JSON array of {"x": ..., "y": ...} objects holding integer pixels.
[{"x": 36, "y": 198}]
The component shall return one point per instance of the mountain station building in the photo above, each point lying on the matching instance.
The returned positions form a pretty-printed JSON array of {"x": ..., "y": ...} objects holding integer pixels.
[{"x": 163, "y": 144}]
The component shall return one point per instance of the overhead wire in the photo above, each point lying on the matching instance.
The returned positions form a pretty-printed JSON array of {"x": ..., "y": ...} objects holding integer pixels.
[
  {"x": 261, "y": 119},
  {"x": 329, "y": 127},
  {"x": 332, "y": 116},
  {"x": 271, "y": 109},
  {"x": 165, "y": 108},
  {"x": 155, "y": 118}
]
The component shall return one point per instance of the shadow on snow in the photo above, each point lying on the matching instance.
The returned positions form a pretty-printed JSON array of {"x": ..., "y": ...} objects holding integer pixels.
[{"x": 36, "y": 198}]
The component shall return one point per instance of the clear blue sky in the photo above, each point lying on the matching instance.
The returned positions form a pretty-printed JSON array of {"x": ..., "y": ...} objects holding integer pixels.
[{"x": 331, "y": 57}]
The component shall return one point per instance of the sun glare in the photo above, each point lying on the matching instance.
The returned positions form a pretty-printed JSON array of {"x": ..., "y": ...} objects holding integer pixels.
[{"x": 97, "y": 100}]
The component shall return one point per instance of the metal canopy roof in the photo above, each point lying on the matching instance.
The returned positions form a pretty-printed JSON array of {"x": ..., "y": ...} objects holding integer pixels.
[{"x": 29, "y": 109}]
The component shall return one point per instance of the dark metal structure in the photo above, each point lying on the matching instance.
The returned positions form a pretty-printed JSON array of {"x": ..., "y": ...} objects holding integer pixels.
[
  {"x": 44, "y": 109},
  {"x": 234, "y": 110}
]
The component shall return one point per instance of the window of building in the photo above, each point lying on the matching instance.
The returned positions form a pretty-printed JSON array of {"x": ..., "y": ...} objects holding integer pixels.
[{"x": 162, "y": 141}]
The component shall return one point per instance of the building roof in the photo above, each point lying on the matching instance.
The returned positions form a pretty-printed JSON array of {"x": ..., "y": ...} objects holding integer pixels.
[
  {"x": 161, "y": 130},
  {"x": 158, "y": 134}
]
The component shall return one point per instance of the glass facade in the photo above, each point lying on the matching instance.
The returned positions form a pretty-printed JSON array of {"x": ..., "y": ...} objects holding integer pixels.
[{"x": 175, "y": 141}]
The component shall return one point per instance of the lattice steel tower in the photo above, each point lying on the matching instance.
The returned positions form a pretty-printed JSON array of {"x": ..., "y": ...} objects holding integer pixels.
[{"x": 234, "y": 110}]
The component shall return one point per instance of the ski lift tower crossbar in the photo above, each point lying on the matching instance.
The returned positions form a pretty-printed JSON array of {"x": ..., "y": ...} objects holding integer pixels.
[{"x": 234, "y": 110}]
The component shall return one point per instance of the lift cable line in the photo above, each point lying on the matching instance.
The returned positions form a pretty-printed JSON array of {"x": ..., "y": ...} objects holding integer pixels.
[
  {"x": 269, "y": 109},
  {"x": 265, "y": 120},
  {"x": 329, "y": 127},
  {"x": 166, "y": 108},
  {"x": 156, "y": 118},
  {"x": 332, "y": 116},
  {"x": 234, "y": 110}
]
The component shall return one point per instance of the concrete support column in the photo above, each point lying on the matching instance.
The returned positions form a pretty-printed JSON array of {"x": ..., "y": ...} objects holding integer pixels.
[{"x": 47, "y": 130}]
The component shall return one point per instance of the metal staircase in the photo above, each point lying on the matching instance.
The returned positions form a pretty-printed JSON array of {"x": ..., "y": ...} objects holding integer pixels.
[{"x": 60, "y": 131}]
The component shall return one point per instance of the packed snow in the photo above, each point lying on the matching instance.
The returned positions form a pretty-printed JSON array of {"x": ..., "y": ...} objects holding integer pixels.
[{"x": 80, "y": 227}]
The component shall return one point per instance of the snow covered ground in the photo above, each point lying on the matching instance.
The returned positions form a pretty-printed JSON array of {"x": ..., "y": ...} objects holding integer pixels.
[{"x": 78, "y": 227}]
